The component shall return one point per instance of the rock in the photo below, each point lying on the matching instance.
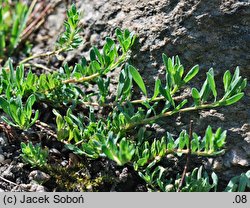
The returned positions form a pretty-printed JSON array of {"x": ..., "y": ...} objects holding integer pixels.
[
  {"x": 123, "y": 177},
  {"x": 1, "y": 158},
  {"x": 39, "y": 176},
  {"x": 64, "y": 163},
  {"x": 8, "y": 174},
  {"x": 235, "y": 157},
  {"x": 20, "y": 165},
  {"x": 32, "y": 188},
  {"x": 55, "y": 152},
  {"x": 73, "y": 160},
  {"x": 3, "y": 139},
  {"x": 7, "y": 161},
  {"x": 218, "y": 164}
]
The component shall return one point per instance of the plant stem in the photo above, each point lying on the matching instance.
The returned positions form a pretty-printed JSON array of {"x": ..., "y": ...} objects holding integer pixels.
[
  {"x": 188, "y": 156},
  {"x": 93, "y": 76},
  {"x": 169, "y": 113},
  {"x": 50, "y": 53},
  {"x": 46, "y": 128},
  {"x": 188, "y": 151},
  {"x": 8, "y": 181},
  {"x": 82, "y": 79},
  {"x": 39, "y": 66},
  {"x": 32, "y": 5},
  {"x": 177, "y": 98},
  {"x": 197, "y": 153}
]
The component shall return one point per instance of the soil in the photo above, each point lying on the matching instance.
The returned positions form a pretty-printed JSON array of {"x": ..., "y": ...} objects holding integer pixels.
[{"x": 211, "y": 33}]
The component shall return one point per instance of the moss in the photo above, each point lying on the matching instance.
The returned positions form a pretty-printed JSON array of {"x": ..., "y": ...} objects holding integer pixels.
[{"x": 75, "y": 178}]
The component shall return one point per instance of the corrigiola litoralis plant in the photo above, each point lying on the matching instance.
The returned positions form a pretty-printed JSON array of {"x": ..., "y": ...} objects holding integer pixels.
[{"x": 120, "y": 133}]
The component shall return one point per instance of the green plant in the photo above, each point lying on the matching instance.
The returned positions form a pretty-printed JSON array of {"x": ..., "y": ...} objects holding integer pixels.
[
  {"x": 68, "y": 40},
  {"x": 197, "y": 181},
  {"x": 34, "y": 154},
  {"x": 239, "y": 183},
  {"x": 120, "y": 132},
  {"x": 114, "y": 137},
  {"x": 13, "y": 19},
  {"x": 21, "y": 115}
]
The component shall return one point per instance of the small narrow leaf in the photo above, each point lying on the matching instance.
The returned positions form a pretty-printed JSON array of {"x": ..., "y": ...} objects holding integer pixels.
[
  {"x": 157, "y": 88},
  {"x": 29, "y": 103},
  {"x": 215, "y": 181},
  {"x": 196, "y": 96},
  {"x": 165, "y": 60},
  {"x": 208, "y": 138},
  {"x": 236, "y": 73},
  {"x": 233, "y": 99},
  {"x": 181, "y": 105},
  {"x": 243, "y": 84},
  {"x": 170, "y": 65},
  {"x": 227, "y": 80},
  {"x": 191, "y": 74},
  {"x": 205, "y": 91},
  {"x": 5, "y": 105},
  {"x": 137, "y": 78},
  {"x": 167, "y": 95},
  {"x": 211, "y": 82}
]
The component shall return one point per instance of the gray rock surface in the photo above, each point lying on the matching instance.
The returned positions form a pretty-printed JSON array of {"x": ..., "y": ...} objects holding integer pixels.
[
  {"x": 39, "y": 176},
  {"x": 29, "y": 188},
  {"x": 211, "y": 33}
]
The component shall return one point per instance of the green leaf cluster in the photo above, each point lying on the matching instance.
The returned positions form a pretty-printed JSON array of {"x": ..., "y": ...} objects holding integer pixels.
[
  {"x": 19, "y": 113},
  {"x": 115, "y": 136},
  {"x": 233, "y": 86},
  {"x": 121, "y": 152},
  {"x": 125, "y": 38},
  {"x": 46, "y": 87},
  {"x": 239, "y": 183},
  {"x": 70, "y": 38},
  {"x": 197, "y": 181},
  {"x": 34, "y": 155},
  {"x": 101, "y": 61},
  {"x": 210, "y": 145},
  {"x": 174, "y": 82}
]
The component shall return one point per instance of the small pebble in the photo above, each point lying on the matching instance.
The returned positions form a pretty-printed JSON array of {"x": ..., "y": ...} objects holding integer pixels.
[
  {"x": 33, "y": 187},
  {"x": 3, "y": 140},
  {"x": 8, "y": 175},
  {"x": 20, "y": 165},
  {"x": 1, "y": 158},
  {"x": 169, "y": 187},
  {"x": 218, "y": 164},
  {"x": 54, "y": 151},
  {"x": 39, "y": 176},
  {"x": 64, "y": 163},
  {"x": 7, "y": 161}
]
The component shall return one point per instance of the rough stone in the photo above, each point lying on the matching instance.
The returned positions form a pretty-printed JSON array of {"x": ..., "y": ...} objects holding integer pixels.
[
  {"x": 39, "y": 176},
  {"x": 32, "y": 188},
  {"x": 1, "y": 158},
  {"x": 55, "y": 152}
]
